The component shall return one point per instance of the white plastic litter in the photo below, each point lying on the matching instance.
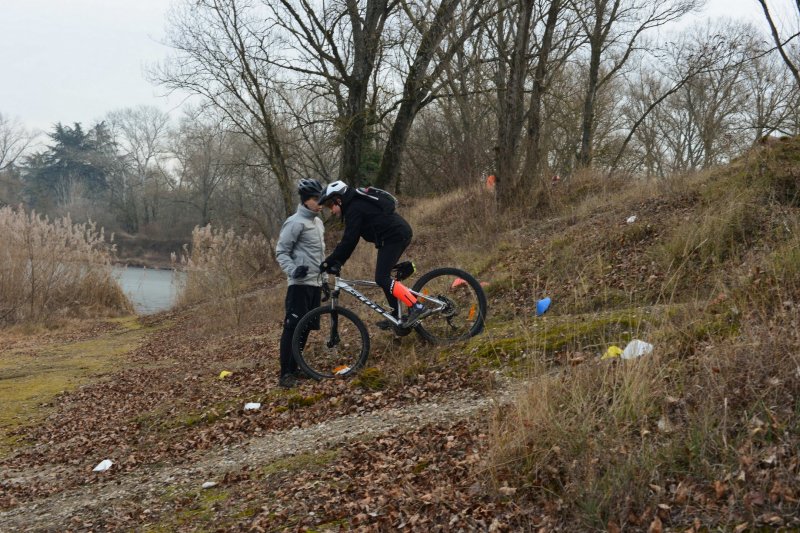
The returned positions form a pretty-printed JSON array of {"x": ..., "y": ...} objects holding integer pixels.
[
  {"x": 104, "y": 465},
  {"x": 209, "y": 484},
  {"x": 636, "y": 348},
  {"x": 252, "y": 406},
  {"x": 631, "y": 219}
]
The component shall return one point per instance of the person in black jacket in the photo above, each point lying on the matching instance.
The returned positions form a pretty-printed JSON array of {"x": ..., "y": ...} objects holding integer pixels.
[{"x": 366, "y": 217}]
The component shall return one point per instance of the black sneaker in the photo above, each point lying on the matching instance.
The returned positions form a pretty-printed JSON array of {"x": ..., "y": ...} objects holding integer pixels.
[
  {"x": 287, "y": 382},
  {"x": 417, "y": 313}
]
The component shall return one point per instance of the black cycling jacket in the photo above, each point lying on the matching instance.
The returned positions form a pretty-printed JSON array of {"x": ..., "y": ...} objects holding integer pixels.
[{"x": 364, "y": 218}]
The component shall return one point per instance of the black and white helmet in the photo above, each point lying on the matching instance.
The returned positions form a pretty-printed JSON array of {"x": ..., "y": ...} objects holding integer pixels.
[
  {"x": 334, "y": 189},
  {"x": 309, "y": 187}
]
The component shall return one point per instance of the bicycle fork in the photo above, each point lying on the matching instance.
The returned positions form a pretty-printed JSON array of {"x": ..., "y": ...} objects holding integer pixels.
[{"x": 333, "y": 337}]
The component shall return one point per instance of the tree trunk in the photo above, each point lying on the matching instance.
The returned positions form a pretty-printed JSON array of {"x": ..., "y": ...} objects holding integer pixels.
[
  {"x": 416, "y": 89},
  {"x": 366, "y": 41},
  {"x": 533, "y": 158},
  {"x": 511, "y": 112},
  {"x": 395, "y": 145},
  {"x": 587, "y": 121},
  {"x": 277, "y": 163},
  {"x": 354, "y": 124}
]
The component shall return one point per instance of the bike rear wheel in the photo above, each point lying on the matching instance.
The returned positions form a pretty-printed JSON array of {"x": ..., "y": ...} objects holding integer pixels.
[
  {"x": 330, "y": 342},
  {"x": 465, "y": 312}
]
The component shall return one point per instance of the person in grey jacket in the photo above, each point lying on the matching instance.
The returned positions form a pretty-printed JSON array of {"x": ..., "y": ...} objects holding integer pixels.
[{"x": 300, "y": 250}]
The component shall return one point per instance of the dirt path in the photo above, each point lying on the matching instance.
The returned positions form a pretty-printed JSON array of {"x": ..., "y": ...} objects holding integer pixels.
[{"x": 150, "y": 483}]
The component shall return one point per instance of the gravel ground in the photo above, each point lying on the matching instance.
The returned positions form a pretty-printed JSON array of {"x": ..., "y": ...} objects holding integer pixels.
[{"x": 77, "y": 506}]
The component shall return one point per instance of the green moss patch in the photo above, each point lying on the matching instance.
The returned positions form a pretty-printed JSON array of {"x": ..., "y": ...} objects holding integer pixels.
[
  {"x": 32, "y": 377},
  {"x": 551, "y": 335},
  {"x": 304, "y": 461},
  {"x": 298, "y": 401},
  {"x": 370, "y": 378},
  {"x": 196, "y": 510}
]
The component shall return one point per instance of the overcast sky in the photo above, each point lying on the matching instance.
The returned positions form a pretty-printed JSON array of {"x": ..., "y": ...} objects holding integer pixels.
[{"x": 75, "y": 60}]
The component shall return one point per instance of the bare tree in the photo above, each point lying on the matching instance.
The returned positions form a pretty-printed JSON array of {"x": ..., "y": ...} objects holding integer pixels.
[
  {"x": 14, "y": 140},
  {"x": 536, "y": 38},
  {"x": 425, "y": 69},
  {"x": 706, "y": 100},
  {"x": 452, "y": 144},
  {"x": 342, "y": 50},
  {"x": 140, "y": 136},
  {"x": 779, "y": 43},
  {"x": 534, "y": 150},
  {"x": 512, "y": 37},
  {"x": 643, "y": 140},
  {"x": 705, "y": 54},
  {"x": 336, "y": 48},
  {"x": 614, "y": 29},
  {"x": 223, "y": 54},
  {"x": 311, "y": 135},
  {"x": 204, "y": 149},
  {"x": 772, "y": 96}
]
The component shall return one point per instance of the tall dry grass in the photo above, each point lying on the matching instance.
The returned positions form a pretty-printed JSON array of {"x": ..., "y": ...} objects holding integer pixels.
[
  {"x": 455, "y": 229},
  {"x": 600, "y": 436},
  {"x": 714, "y": 409},
  {"x": 50, "y": 268},
  {"x": 221, "y": 268},
  {"x": 566, "y": 428}
]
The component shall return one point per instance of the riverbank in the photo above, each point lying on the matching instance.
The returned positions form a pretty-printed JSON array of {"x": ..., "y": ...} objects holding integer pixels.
[{"x": 136, "y": 251}]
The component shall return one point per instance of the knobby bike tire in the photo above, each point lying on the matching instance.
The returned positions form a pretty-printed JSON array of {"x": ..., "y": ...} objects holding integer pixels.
[
  {"x": 311, "y": 342},
  {"x": 438, "y": 328}
]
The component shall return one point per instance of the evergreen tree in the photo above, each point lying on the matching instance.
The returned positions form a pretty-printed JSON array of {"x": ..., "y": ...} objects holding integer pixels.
[{"x": 77, "y": 164}]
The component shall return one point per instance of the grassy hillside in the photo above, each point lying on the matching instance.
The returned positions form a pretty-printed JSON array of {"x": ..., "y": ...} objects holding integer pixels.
[
  {"x": 704, "y": 428},
  {"x": 701, "y": 433}
]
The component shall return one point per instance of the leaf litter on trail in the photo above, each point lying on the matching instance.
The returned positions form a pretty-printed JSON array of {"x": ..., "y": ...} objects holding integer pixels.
[{"x": 165, "y": 410}]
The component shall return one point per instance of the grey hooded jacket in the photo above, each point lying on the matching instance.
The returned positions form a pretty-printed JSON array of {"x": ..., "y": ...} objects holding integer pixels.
[{"x": 301, "y": 242}]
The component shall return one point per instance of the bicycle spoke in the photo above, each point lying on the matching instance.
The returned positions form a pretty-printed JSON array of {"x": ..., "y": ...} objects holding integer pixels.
[
  {"x": 464, "y": 305},
  {"x": 331, "y": 343}
]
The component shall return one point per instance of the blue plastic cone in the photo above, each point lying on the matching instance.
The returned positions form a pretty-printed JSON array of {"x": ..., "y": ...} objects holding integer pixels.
[{"x": 542, "y": 306}]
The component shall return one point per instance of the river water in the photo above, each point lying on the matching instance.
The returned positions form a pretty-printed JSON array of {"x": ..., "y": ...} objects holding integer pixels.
[{"x": 149, "y": 290}]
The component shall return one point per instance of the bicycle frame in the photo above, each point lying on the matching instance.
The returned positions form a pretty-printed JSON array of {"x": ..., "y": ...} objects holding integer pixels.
[{"x": 347, "y": 286}]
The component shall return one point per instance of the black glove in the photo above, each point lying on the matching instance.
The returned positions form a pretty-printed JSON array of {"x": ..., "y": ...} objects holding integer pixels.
[
  {"x": 300, "y": 272},
  {"x": 331, "y": 267}
]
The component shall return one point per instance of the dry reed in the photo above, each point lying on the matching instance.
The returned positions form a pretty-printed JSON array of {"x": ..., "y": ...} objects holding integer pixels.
[
  {"x": 50, "y": 268},
  {"x": 222, "y": 267}
]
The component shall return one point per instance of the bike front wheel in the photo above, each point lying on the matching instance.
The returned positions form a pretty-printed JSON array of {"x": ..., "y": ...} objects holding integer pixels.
[
  {"x": 465, "y": 305},
  {"x": 330, "y": 342}
]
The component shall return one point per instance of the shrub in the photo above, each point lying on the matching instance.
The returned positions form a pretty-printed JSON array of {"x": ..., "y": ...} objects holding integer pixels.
[
  {"x": 54, "y": 267},
  {"x": 222, "y": 266}
]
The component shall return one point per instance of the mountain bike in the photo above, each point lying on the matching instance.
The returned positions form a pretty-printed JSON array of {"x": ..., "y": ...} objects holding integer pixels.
[{"x": 333, "y": 341}]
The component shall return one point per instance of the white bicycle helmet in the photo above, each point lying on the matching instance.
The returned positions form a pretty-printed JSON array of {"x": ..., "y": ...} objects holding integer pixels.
[{"x": 334, "y": 189}]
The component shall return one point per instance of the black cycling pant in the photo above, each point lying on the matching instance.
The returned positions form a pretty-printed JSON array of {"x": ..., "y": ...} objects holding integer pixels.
[
  {"x": 300, "y": 299},
  {"x": 388, "y": 256}
]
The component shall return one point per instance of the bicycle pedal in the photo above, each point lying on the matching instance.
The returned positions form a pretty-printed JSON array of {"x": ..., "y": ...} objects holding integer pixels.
[
  {"x": 384, "y": 325},
  {"x": 401, "y": 332}
]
